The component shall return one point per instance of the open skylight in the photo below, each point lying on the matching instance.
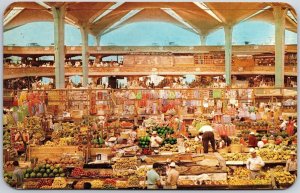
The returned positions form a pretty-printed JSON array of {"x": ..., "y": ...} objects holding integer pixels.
[
  {"x": 256, "y": 13},
  {"x": 123, "y": 19},
  {"x": 12, "y": 14},
  {"x": 291, "y": 16},
  {"x": 208, "y": 10},
  {"x": 106, "y": 12},
  {"x": 173, "y": 14}
]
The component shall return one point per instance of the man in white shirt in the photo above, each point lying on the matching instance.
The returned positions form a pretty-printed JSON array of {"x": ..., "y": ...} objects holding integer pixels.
[
  {"x": 291, "y": 164},
  {"x": 155, "y": 140},
  {"x": 254, "y": 164},
  {"x": 207, "y": 136}
]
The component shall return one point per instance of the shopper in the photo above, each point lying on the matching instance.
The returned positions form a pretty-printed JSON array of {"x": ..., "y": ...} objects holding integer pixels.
[
  {"x": 208, "y": 136},
  {"x": 226, "y": 139},
  {"x": 254, "y": 164},
  {"x": 153, "y": 178},
  {"x": 172, "y": 177},
  {"x": 252, "y": 140},
  {"x": 18, "y": 176},
  {"x": 291, "y": 164},
  {"x": 155, "y": 140},
  {"x": 290, "y": 127}
]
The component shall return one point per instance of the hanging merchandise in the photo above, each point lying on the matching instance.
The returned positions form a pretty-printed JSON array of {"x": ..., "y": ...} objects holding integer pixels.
[
  {"x": 217, "y": 93},
  {"x": 139, "y": 95}
]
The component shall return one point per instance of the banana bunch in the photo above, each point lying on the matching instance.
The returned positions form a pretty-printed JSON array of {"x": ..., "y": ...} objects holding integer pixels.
[
  {"x": 169, "y": 147},
  {"x": 241, "y": 173},
  {"x": 192, "y": 145},
  {"x": 97, "y": 184},
  {"x": 284, "y": 178},
  {"x": 121, "y": 184},
  {"x": 133, "y": 181},
  {"x": 235, "y": 156},
  {"x": 142, "y": 171},
  {"x": 238, "y": 182},
  {"x": 59, "y": 183},
  {"x": 271, "y": 154}
]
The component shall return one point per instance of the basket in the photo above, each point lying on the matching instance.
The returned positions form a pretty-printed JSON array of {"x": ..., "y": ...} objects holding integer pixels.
[{"x": 235, "y": 148}]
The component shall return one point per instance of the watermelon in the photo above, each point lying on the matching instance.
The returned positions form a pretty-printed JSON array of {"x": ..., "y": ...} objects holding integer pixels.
[
  {"x": 39, "y": 175},
  {"x": 27, "y": 175},
  {"x": 48, "y": 171},
  {"x": 48, "y": 166},
  {"x": 51, "y": 175},
  {"x": 36, "y": 169},
  {"x": 42, "y": 170},
  {"x": 62, "y": 175}
]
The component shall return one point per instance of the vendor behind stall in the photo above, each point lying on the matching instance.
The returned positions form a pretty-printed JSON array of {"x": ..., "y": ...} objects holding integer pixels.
[
  {"x": 207, "y": 136},
  {"x": 252, "y": 140},
  {"x": 254, "y": 164},
  {"x": 291, "y": 164},
  {"x": 155, "y": 140}
]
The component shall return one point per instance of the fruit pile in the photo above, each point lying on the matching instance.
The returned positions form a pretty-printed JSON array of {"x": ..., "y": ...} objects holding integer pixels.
[
  {"x": 169, "y": 147},
  {"x": 97, "y": 184},
  {"x": 123, "y": 173},
  {"x": 284, "y": 178},
  {"x": 8, "y": 178},
  {"x": 126, "y": 163},
  {"x": 31, "y": 185},
  {"x": 45, "y": 171},
  {"x": 146, "y": 151},
  {"x": 192, "y": 145},
  {"x": 170, "y": 140},
  {"x": 133, "y": 181},
  {"x": 121, "y": 184},
  {"x": 242, "y": 182},
  {"x": 44, "y": 182},
  {"x": 6, "y": 139},
  {"x": 144, "y": 141},
  {"x": 163, "y": 131},
  {"x": 142, "y": 171},
  {"x": 78, "y": 172},
  {"x": 59, "y": 183},
  {"x": 235, "y": 156},
  {"x": 274, "y": 152},
  {"x": 109, "y": 184}
]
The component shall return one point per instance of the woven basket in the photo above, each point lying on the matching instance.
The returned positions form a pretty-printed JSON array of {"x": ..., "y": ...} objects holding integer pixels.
[{"x": 235, "y": 148}]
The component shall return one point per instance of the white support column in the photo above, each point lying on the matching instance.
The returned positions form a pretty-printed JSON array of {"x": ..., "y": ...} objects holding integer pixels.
[
  {"x": 85, "y": 54},
  {"x": 228, "y": 53},
  {"x": 59, "y": 46},
  {"x": 203, "y": 39},
  {"x": 97, "y": 40},
  {"x": 279, "y": 16}
]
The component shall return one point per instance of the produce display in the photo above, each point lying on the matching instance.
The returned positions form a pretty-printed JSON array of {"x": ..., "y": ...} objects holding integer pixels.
[
  {"x": 133, "y": 181},
  {"x": 169, "y": 147},
  {"x": 126, "y": 163},
  {"x": 8, "y": 178},
  {"x": 97, "y": 184},
  {"x": 170, "y": 141},
  {"x": 163, "y": 131},
  {"x": 59, "y": 183},
  {"x": 192, "y": 145},
  {"x": 121, "y": 184},
  {"x": 144, "y": 142},
  {"x": 45, "y": 171}
]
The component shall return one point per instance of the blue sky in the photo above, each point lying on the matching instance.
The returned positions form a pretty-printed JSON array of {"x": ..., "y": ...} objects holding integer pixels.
[{"x": 146, "y": 33}]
